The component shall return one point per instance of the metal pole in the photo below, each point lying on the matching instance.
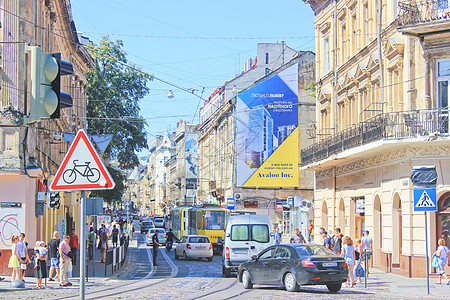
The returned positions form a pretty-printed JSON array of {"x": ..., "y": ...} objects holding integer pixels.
[
  {"x": 93, "y": 246},
  {"x": 366, "y": 266},
  {"x": 426, "y": 253},
  {"x": 82, "y": 244}
]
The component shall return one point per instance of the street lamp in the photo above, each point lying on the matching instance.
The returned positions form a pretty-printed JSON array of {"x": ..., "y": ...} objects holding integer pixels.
[{"x": 170, "y": 95}]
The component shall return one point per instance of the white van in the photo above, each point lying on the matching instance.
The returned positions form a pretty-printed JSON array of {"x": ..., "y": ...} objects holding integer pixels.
[{"x": 245, "y": 236}]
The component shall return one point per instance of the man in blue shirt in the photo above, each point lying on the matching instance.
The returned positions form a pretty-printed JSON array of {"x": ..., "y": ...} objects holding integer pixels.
[{"x": 326, "y": 240}]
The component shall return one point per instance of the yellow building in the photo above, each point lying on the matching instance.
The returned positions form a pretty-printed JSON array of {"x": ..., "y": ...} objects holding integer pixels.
[
  {"x": 381, "y": 107},
  {"x": 31, "y": 153}
]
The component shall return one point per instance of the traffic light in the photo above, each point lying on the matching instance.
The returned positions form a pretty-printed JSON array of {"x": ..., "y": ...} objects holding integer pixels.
[
  {"x": 55, "y": 201},
  {"x": 46, "y": 70}
]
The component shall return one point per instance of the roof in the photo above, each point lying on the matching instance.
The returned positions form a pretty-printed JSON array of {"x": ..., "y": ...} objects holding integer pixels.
[{"x": 249, "y": 219}]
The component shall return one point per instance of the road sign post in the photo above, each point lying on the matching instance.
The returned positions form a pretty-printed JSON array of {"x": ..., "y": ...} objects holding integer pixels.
[
  {"x": 82, "y": 170},
  {"x": 424, "y": 180}
]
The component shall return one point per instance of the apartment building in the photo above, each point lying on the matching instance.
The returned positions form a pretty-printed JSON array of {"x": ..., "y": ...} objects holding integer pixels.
[{"x": 381, "y": 108}]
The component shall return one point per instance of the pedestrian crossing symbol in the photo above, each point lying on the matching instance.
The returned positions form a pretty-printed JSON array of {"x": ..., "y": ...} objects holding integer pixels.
[{"x": 425, "y": 200}]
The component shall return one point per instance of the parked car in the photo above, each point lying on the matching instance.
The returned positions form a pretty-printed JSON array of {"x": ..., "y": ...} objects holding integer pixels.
[
  {"x": 145, "y": 226},
  {"x": 161, "y": 236},
  {"x": 245, "y": 236},
  {"x": 194, "y": 246},
  {"x": 294, "y": 265},
  {"x": 158, "y": 222}
]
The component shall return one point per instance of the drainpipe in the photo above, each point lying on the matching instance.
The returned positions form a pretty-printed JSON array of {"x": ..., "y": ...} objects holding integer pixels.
[
  {"x": 380, "y": 61},
  {"x": 335, "y": 69},
  {"x": 334, "y": 198}
]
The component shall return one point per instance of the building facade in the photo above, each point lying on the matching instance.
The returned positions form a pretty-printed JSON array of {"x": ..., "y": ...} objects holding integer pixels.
[
  {"x": 219, "y": 134},
  {"x": 381, "y": 108}
]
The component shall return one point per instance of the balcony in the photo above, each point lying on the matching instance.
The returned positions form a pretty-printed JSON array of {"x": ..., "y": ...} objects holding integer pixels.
[
  {"x": 424, "y": 124},
  {"x": 422, "y": 17}
]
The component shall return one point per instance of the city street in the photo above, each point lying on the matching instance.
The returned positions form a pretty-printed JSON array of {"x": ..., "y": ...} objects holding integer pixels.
[{"x": 193, "y": 279}]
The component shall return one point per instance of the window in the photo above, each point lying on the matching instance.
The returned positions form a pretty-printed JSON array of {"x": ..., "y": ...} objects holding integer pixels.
[
  {"x": 314, "y": 250},
  {"x": 267, "y": 254},
  {"x": 257, "y": 233},
  {"x": 366, "y": 23},
  {"x": 344, "y": 43},
  {"x": 354, "y": 35},
  {"x": 326, "y": 55},
  {"x": 267, "y": 58},
  {"x": 199, "y": 239},
  {"x": 282, "y": 252},
  {"x": 214, "y": 220}
]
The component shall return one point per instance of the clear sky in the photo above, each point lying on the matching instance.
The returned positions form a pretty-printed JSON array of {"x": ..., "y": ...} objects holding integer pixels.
[{"x": 193, "y": 44}]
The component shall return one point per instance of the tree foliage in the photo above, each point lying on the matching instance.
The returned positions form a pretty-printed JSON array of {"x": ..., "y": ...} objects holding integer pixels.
[
  {"x": 114, "y": 195},
  {"x": 114, "y": 91}
]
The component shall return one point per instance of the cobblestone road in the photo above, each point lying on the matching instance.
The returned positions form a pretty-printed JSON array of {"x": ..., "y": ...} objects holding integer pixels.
[{"x": 191, "y": 279}]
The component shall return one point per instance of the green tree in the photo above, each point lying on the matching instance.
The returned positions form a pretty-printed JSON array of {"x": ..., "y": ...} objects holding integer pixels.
[
  {"x": 114, "y": 91},
  {"x": 115, "y": 88}
]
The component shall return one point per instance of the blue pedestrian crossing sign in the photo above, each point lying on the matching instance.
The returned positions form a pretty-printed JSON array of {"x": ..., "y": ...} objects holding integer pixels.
[
  {"x": 425, "y": 200},
  {"x": 230, "y": 203}
]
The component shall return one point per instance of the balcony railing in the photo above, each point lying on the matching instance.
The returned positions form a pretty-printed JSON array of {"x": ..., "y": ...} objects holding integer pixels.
[
  {"x": 414, "y": 12},
  {"x": 397, "y": 125}
]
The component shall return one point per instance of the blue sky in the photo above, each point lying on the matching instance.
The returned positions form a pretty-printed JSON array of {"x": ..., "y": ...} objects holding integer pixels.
[{"x": 193, "y": 44}]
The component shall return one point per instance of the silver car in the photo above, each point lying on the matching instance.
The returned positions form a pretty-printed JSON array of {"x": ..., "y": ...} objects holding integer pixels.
[
  {"x": 161, "y": 236},
  {"x": 194, "y": 246}
]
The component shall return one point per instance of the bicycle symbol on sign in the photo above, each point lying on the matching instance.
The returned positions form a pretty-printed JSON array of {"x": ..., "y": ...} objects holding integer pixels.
[{"x": 70, "y": 175}]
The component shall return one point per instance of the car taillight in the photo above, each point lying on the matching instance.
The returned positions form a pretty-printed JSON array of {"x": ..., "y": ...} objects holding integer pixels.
[
  {"x": 149, "y": 236},
  {"x": 188, "y": 246},
  {"x": 308, "y": 264},
  {"x": 164, "y": 236},
  {"x": 210, "y": 246},
  {"x": 345, "y": 265},
  {"x": 227, "y": 252}
]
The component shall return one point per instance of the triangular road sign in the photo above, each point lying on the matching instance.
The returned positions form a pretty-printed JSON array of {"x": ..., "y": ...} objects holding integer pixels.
[
  {"x": 82, "y": 168},
  {"x": 425, "y": 201}
]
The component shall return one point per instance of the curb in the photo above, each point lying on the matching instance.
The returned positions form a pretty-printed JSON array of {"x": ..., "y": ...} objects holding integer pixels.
[{"x": 124, "y": 271}]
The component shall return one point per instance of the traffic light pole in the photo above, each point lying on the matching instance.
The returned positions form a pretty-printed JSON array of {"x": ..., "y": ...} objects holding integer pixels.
[{"x": 82, "y": 244}]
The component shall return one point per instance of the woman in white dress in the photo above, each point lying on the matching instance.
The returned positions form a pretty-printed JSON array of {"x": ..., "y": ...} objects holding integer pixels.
[{"x": 348, "y": 252}]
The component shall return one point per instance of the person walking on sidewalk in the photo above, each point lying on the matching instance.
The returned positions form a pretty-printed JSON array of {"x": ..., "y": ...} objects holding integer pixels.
[
  {"x": 91, "y": 242},
  {"x": 444, "y": 258},
  {"x": 74, "y": 246},
  {"x": 41, "y": 262},
  {"x": 310, "y": 229},
  {"x": 14, "y": 259},
  {"x": 24, "y": 258},
  {"x": 337, "y": 241},
  {"x": 358, "y": 255},
  {"x": 297, "y": 237},
  {"x": 277, "y": 236},
  {"x": 156, "y": 245},
  {"x": 367, "y": 244},
  {"x": 53, "y": 253},
  {"x": 348, "y": 252},
  {"x": 64, "y": 250},
  {"x": 115, "y": 235},
  {"x": 103, "y": 245}
]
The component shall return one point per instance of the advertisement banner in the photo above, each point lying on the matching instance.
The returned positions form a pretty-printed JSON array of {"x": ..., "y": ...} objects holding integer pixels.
[
  {"x": 267, "y": 135},
  {"x": 191, "y": 149},
  {"x": 12, "y": 222}
]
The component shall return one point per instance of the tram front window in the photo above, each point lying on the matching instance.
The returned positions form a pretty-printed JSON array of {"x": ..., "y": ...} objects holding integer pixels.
[{"x": 214, "y": 220}]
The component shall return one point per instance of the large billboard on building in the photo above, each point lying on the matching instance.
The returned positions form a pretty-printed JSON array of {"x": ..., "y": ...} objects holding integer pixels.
[
  {"x": 267, "y": 134},
  {"x": 191, "y": 149}
]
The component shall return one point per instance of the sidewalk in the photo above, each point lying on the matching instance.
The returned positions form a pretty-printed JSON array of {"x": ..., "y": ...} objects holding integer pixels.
[
  {"x": 98, "y": 279},
  {"x": 396, "y": 284}
]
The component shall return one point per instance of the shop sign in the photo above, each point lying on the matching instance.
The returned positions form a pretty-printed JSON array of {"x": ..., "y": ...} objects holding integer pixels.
[{"x": 360, "y": 208}]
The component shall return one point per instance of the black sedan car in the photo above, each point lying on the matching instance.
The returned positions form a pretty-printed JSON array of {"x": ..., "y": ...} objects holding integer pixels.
[
  {"x": 145, "y": 226},
  {"x": 293, "y": 265}
]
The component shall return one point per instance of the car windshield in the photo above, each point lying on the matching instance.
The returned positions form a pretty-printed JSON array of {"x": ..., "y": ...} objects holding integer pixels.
[
  {"x": 199, "y": 239},
  {"x": 313, "y": 250},
  {"x": 159, "y": 230},
  {"x": 147, "y": 223},
  {"x": 253, "y": 232}
]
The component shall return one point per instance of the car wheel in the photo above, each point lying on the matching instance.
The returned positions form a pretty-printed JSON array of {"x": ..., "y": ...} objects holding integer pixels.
[
  {"x": 225, "y": 272},
  {"x": 185, "y": 256},
  {"x": 246, "y": 282},
  {"x": 210, "y": 258},
  {"x": 335, "y": 287},
  {"x": 175, "y": 253},
  {"x": 290, "y": 282}
]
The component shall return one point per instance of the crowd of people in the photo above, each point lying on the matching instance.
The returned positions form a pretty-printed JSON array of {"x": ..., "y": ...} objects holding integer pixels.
[{"x": 62, "y": 254}]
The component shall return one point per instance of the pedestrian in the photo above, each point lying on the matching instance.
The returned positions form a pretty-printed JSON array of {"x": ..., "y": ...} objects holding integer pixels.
[
  {"x": 14, "y": 259},
  {"x": 277, "y": 236},
  {"x": 40, "y": 251},
  {"x": 91, "y": 242},
  {"x": 367, "y": 245},
  {"x": 337, "y": 241},
  {"x": 326, "y": 240},
  {"x": 444, "y": 258},
  {"x": 297, "y": 237},
  {"x": 53, "y": 253},
  {"x": 74, "y": 246},
  {"x": 280, "y": 227},
  {"x": 310, "y": 229},
  {"x": 24, "y": 258},
  {"x": 156, "y": 245},
  {"x": 65, "y": 260},
  {"x": 130, "y": 230},
  {"x": 103, "y": 245},
  {"x": 321, "y": 239},
  {"x": 348, "y": 252},
  {"x": 358, "y": 254},
  {"x": 115, "y": 235}
]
